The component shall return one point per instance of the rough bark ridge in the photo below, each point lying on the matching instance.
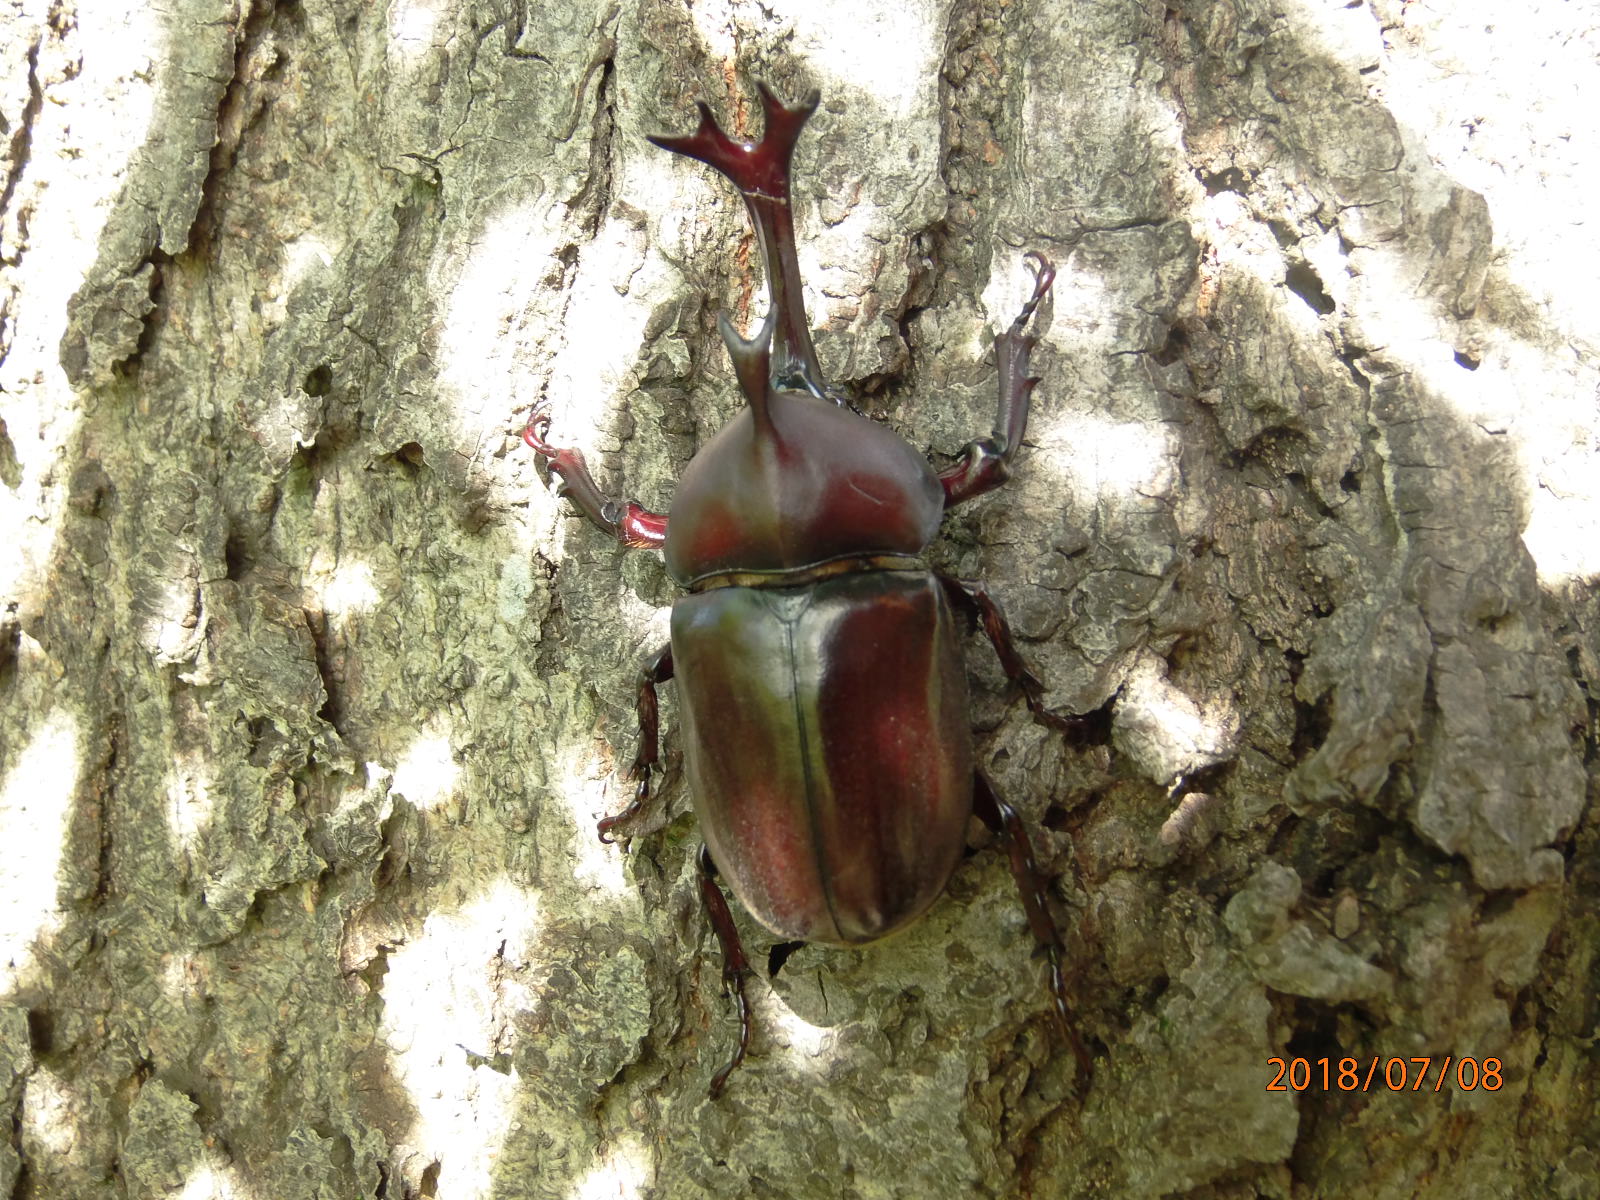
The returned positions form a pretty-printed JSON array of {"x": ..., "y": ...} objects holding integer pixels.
[{"x": 313, "y": 693}]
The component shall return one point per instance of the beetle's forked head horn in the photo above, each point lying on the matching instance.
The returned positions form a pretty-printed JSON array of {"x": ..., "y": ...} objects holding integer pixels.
[{"x": 752, "y": 363}]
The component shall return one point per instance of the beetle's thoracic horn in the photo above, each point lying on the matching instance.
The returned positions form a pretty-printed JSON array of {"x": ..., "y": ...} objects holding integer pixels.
[{"x": 752, "y": 365}]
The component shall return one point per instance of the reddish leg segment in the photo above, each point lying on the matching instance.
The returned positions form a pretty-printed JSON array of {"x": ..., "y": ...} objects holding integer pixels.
[
  {"x": 1004, "y": 821},
  {"x": 735, "y": 967},
  {"x": 986, "y": 463},
  {"x": 634, "y": 526},
  {"x": 658, "y": 669},
  {"x": 972, "y": 597}
]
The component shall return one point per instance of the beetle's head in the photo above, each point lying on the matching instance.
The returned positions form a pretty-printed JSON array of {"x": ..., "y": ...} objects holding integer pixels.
[{"x": 795, "y": 481}]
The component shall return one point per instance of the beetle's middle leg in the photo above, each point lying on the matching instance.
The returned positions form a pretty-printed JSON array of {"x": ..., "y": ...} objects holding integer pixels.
[
  {"x": 629, "y": 522},
  {"x": 986, "y": 463},
  {"x": 972, "y": 597},
  {"x": 657, "y": 669},
  {"x": 1007, "y": 825},
  {"x": 735, "y": 967}
]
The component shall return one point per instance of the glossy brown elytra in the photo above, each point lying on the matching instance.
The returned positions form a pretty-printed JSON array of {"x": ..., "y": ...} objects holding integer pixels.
[{"x": 817, "y": 659}]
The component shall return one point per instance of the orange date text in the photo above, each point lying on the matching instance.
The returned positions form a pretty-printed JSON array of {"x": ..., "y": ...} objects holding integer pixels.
[{"x": 1431, "y": 1073}]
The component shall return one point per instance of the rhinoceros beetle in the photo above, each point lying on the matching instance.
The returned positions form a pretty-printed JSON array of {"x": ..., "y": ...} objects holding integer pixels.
[{"x": 819, "y": 674}]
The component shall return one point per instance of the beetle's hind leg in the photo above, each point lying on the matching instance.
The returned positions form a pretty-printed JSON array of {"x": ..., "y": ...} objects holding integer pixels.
[
  {"x": 986, "y": 463},
  {"x": 629, "y": 522},
  {"x": 656, "y": 670},
  {"x": 735, "y": 967},
  {"x": 1007, "y": 825}
]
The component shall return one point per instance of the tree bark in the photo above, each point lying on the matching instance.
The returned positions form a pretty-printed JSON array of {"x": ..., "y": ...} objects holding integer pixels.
[{"x": 313, "y": 691}]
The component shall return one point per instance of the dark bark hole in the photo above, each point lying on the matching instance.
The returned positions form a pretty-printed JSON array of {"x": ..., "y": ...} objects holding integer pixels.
[
  {"x": 1229, "y": 179},
  {"x": 1172, "y": 349},
  {"x": 1351, "y": 482},
  {"x": 1318, "y": 1034},
  {"x": 41, "y": 1032},
  {"x": 1055, "y": 818},
  {"x": 318, "y": 381},
  {"x": 329, "y": 671},
  {"x": 778, "y": 955},
  {"x": 1580, "y": 729},
  {"x": 1183, "y": 651},
  {"x": 1305, "y": 283},
  {"x": 256, "y": 729},
  {"x": 1302, "y": 485},
  {"x": 1497, "y": 904},
  {"x": 410, "y": 457},
  {"x": 874, "y": 385},
  {"x": 236, "y": 556},
  {"x": 1311, "y": 725},
  {"x": 1092, "y": 728},
  {"x": 10, "y": 647},
  {"x": 147, "y": 330},
  {"x": 1469, "y": 361}
]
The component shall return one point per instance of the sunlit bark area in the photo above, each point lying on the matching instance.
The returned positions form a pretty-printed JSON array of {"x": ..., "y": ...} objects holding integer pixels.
[{"x": 312, "y": 691}]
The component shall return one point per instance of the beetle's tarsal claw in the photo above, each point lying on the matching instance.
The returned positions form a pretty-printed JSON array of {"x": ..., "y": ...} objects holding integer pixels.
[
  {"x": 537, "y": 428},
  {"x": 641, "y": 797},
  {"x": 1044, "y": 275},
  {"x": 720, "y": 1079}
]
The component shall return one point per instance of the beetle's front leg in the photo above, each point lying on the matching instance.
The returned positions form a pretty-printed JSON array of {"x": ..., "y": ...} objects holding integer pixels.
[
  {"x": 986, "y": 463},
  {"x": 1007, "y": 825},
  {"x": 631, "y": 524},
  {"x": 735, "y": 967},
  {"x": 657, "y": 670},
  {"x": 972, "y": 596}
]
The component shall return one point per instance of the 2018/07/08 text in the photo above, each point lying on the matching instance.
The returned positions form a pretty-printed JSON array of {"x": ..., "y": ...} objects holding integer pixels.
[{"x": 1398, "y": 1074}]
